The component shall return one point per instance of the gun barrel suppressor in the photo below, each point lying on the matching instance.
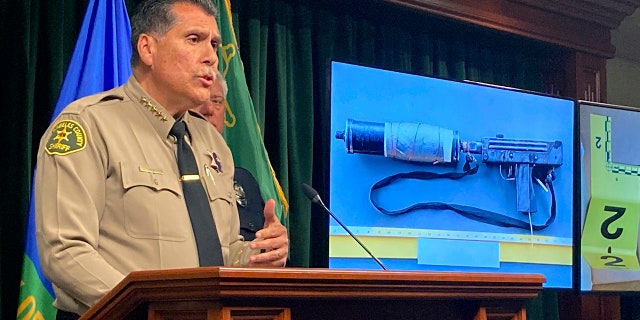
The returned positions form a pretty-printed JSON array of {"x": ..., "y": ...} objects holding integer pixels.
[{"x": 416, "y": 142}]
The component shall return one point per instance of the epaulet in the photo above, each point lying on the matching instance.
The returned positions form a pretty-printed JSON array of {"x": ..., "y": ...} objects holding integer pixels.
[
  {"x": 113, "y": 95},
  {"x": 67, "y": 136}
]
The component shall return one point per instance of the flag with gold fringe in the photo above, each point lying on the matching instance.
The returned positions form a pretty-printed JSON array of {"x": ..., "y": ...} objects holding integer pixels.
[{"x": 242, "y": 132}]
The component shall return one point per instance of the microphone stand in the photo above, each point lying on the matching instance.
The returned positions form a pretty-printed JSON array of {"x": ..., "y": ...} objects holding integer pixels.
[{"x": 313, "y": 195}]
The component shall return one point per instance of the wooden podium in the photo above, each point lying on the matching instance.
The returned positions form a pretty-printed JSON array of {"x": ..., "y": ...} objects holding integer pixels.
[{"x": 220, "y": 293}]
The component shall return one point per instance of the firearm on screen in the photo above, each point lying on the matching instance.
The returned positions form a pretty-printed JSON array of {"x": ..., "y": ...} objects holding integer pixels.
[{"x": 525, "y": 161}]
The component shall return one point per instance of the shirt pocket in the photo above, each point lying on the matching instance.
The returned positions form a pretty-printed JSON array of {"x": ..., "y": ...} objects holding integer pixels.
[
  {"x": 153, "y": 204},
  {"x": 219, "y": 188},
  {"x": 222, "y": 197}
]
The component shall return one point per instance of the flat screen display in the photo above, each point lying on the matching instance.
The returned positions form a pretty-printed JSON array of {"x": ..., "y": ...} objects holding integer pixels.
[
  {"x": 439, "y": 175},
  {"x": 610, "y": 203}
]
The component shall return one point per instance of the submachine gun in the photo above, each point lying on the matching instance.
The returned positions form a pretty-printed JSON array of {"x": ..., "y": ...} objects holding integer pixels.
[{"x": 525, "y": 161}]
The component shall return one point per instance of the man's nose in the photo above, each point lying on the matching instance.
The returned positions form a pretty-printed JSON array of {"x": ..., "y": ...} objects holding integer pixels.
[{"x": 211, "y": 57}]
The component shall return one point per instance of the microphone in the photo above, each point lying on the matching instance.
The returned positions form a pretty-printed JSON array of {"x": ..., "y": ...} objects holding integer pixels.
[{"x": 313, "y": 195}]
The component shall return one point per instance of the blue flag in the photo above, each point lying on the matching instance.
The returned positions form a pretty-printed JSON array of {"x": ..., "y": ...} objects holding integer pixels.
[{"x": 100, "y": 62}]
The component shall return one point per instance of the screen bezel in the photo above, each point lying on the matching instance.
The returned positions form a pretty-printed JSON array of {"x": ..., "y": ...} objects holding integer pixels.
[
  {"x": 579, "y": 262},
  {"x": 570, "y": 145}
]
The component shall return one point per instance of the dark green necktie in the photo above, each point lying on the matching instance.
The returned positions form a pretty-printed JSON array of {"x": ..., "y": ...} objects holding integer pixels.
[{"x": 204, "y": 228}]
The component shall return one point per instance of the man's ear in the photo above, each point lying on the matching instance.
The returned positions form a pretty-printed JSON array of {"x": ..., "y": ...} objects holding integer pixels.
[{"x": 146, "y": 48}]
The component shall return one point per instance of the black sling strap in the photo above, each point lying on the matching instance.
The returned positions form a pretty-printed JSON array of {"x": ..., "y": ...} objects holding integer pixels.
[{"x": 470, "y": 168}]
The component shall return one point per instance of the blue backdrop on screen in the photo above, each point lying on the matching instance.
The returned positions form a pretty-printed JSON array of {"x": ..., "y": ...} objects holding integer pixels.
[{"x": 443, "y": 240}]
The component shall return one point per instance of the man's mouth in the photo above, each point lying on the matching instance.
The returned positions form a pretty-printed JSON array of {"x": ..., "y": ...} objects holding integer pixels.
[{"x": 207, "y": 79}]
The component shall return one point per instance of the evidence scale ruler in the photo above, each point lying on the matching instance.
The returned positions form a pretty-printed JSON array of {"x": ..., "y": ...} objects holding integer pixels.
[{"x": 451, "y": 247}]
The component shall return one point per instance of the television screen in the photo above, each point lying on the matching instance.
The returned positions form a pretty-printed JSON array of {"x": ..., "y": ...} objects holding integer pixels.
[
  {"x": 440, "y": 175},
  {"x": 610, "y": 197}
]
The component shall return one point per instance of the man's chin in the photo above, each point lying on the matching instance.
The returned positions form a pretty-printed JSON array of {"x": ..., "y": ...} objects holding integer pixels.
[{"x": 201, "y": 96}]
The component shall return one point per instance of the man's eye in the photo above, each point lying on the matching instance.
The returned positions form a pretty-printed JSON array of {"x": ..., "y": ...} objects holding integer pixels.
[
  {"x": 192, "y": 39},
  {"x": 215, "y": 44}
]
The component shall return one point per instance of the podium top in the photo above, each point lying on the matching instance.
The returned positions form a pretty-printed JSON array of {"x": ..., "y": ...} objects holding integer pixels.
[{"x": 217, "y": 284}]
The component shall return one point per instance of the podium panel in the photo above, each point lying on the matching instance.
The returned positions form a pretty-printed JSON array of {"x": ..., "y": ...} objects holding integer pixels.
[{"x": 220, "y": 293}]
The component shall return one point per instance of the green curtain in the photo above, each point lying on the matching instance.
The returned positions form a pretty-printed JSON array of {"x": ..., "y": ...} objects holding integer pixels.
[
  {"x": 286, "y": 47},
  {"x": 37, "y": 38}
]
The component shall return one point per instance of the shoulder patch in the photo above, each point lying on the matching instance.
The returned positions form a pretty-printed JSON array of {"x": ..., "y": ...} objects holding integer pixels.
[{"x": 67, "y": 136}]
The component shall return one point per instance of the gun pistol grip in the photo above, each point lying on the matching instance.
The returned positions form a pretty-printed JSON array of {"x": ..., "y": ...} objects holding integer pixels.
[{"x": 525, "y": 195}]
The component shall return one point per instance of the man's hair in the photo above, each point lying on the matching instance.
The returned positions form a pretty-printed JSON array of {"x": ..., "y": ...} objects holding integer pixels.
[
  {"x": 155, "y": 17},
  {"x": 219, "y": 78}
]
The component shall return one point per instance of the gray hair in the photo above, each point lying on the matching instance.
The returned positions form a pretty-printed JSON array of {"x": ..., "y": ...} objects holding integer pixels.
[
  {"x": 156, "y": 17},
  {"x": 219, "y": 78}
]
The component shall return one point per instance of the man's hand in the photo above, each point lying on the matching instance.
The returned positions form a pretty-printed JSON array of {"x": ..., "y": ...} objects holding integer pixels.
[{"x": 272, "y": 240}]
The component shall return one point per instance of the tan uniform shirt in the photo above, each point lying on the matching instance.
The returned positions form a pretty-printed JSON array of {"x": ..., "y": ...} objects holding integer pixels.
[{"x": 108, "y": 198}]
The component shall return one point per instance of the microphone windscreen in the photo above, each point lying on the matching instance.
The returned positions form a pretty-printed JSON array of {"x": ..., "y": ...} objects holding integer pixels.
[{"x": 309, "y": 191}]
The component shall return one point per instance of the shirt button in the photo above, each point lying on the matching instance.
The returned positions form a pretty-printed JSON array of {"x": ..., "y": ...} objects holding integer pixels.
[{"x": 155, "y": 181}]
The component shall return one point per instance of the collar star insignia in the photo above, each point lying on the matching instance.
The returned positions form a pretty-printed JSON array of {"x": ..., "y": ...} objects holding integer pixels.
[
  {"x": 147, "y": 103},
  {"x": 215, "y": 162}
]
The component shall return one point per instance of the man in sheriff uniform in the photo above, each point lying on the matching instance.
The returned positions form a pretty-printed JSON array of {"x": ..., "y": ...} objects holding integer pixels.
[{"x": 108, "y": 194}]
